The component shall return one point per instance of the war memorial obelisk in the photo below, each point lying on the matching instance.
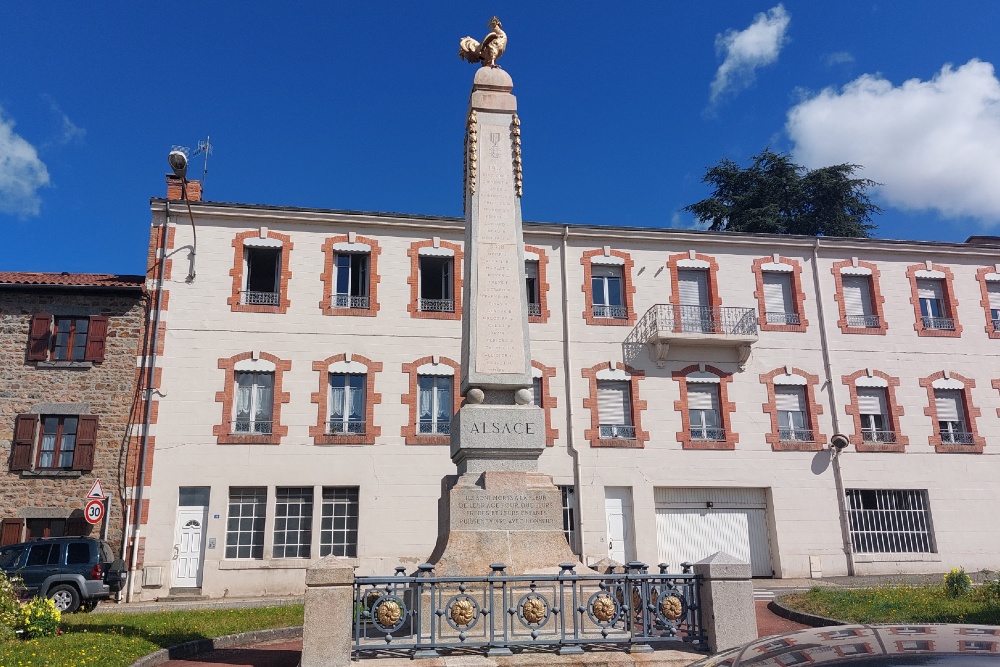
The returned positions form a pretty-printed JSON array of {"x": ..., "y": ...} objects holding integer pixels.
[{"x": 499, "y": 509}]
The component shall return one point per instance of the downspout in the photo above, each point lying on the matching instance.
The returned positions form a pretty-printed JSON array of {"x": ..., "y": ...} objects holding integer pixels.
[
  {"x": 570, "y": 401},
  {"x": 150, "y": 362},
  {"x": 845, "y": 532}
]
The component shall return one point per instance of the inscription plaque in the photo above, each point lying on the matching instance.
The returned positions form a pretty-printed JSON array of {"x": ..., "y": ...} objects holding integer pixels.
[{"x": 475, "y": 509}]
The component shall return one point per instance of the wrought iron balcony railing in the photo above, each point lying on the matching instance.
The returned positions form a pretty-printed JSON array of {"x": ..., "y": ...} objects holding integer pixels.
[
  {"x": 437, "y": 305},
  {"x": 956, "y": 438},
  {"x": 619, "y": 431},
  {"x": 611, "y": 312},
  {"x": 250, "y": 427},
  {"x": 939, "y": 323},
  {"x": 782, "y": 318},
  {"x": 534, "y": 309},
  {"x": 795, "y": 435},
  {"x": 871, "y": 435},
  {"x": 709, "y": 434},
  {"x": 248, "y": 298},
  {"x": 863, "y": 321},
  {"x": 347, "y": 301},
  {"x": 996, "y": 325},
  {"x": 665, "y": 325},
  {"x": 346, "y": 427},
  {"x": 434, "y": 428}
]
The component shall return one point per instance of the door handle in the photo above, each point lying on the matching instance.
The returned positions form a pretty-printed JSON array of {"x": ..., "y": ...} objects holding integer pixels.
[{"x": 177, "y": 552}]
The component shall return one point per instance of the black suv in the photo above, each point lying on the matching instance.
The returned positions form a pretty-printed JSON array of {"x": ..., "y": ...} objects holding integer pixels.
[{"x": 74, "y": 572}]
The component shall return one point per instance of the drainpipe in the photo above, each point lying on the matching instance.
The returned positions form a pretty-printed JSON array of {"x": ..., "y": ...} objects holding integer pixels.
[
  {"x": 845, "y": 532},
  {"x": 150, "y": 362},
  {"x": 570, "y": 401}
]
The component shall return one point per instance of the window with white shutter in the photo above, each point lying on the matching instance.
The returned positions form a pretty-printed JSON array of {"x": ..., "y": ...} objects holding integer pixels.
[
  {"x": 779, "y": 307},
  {"x": 793, "y": 425},
  {"x": 993, "y": 291},
  {"x": 703, "y": 411},
  {"x": 614, "y": 409},
  {"x": 531, "y": 287},
  {"x": 858, "y": 302},
  {"x": 951, "y": 416},
  {"x": 872, "y": 407},
  {"x": 692, "y": 295},
  {"x": 930, "y": 292}
]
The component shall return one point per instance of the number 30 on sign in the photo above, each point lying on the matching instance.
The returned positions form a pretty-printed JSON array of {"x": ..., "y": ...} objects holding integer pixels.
[{"x": 94, "y": 511}]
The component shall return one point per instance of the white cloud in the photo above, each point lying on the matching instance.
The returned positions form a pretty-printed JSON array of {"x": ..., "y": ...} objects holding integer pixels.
[
  {"x": 838, "y": 58},
  {"x": 21, "y": 172},
  {"x": 747, "y": 50},
  {"x": 932, "y": 144}
]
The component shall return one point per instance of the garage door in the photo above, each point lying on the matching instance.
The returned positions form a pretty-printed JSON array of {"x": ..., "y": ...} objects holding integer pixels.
[{"x": 688, "y": 530}]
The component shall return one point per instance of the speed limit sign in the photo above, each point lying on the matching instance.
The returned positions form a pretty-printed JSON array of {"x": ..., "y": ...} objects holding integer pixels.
[{"x": 94, "y": 511}]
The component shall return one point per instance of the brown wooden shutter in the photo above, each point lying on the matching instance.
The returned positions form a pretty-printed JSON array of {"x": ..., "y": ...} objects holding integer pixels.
[
  {"x": 96, "y": 335},
  {"x": 21, "y": 446},
  {"x": 86, "y": 440},
  {"x": 39, "y": 336},
  {"x": 11, "y": 531}
]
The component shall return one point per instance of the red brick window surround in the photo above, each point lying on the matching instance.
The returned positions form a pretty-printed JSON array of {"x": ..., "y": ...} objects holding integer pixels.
[
  {"x": 263, "y": 362},
  {"x": 873, "y": 324},
  {"x": 989, "y": 283},
  {"x": 694, "y": 261},
  {"x": 262, "y": 238},
  {"x": 946, "y": 324},
  {"x": 321, "y": 433},
  {"x": 437, "y": 248},
  {"x": 793, "y": 318},
  {"x": 541, "y": 259},
  {"x": 706, "y": 374},
  {"x": 943, "y": 380},
  {"x": 610, "y": 258},
  {"x": 782, "y": 437},
  {"x": 436, "y": 366},
  {"x": 866, "y": 439},
  {"x": 614, "y": 372},
  {"x": 543, "y": 375},
  {"x": 350, "y": 244}
]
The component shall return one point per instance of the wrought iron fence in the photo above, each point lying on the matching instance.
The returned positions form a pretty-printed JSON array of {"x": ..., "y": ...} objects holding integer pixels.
[
  {"x": 706, "y": 319},
  {"x": 715, "y": 434},
  {"x": 346, "y": 427},
  {"x": 347, "y": 301},
  {"x": 795, "y": 435},
  {"x": 869, "y": 435},
  {"x": 248, "y": 427},
  {"x": 534, "y": 309},
  {"x": 425, "y": 615},
  {"x": 437, "y": 305},
  {"x": 260, "y": 298},
  {"x": 435, "y": 428},
  {"x": 957, "y": 437},
  {"x": 996, "y": 324},
  {"x": 623, "y": 431},
  {"x": 782, "y": 318},
  {"x": 939, "y": 323},
  {"x": 863, "y": 321},
  {"x": 611, "y": 312}
]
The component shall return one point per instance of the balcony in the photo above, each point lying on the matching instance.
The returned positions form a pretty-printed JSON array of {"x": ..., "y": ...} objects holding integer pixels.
[
  {"x": 938, "y": 323},
  {"x": 863, "y": 322},
  {"x": 250, "y": 427},
  {"x": 617, "y": 431},
  {"x": 957, "y": 438},
  {"x": 706, "y": 434},
  {"x": 348, "y": 427},
  {"x": 534, "y": 309},
  {"x": 260, "y": 298},
  {"x": 870, "y": 435},
  {"x": 346, "y": 301},
  {"x": 796, "y": 435},
  {"x": 437, "y": 305},
  {"x": 789, "y": 319},
  {"x": 601, "y": 311},
  {"x": 434, "y": 428},
  {"x": 665, "y": 325}
]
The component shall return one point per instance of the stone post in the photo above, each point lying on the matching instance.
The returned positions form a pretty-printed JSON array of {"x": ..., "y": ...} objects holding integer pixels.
[
  {"x": 727, "y": 609},
  {"x": 327, "y": 630}
]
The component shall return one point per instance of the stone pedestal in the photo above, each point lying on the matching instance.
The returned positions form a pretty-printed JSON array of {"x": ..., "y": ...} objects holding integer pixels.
[
  {"x": 328, "y": 625},
  {"x": 514, "y": 518},
  {"x": 727, "y": 611}
]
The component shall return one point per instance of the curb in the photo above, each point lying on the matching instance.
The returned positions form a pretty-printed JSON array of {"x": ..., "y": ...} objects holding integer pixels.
[
  {"x": 196, "y": 646},
  {"x": 811, "y": 620}
]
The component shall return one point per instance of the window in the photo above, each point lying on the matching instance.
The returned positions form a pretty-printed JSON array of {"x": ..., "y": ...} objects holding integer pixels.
[
  {"x": 875, "y": 426},
  {"x": 569, "y": 514},
  {"x": 245, "y": 525},
  {"x": 262, "y": 277},
  {"x": 606, "y": 292},
  {"x": 67, "y": 339},
  {"x": 58, "y": 442},
  {"x": 858, "y": 303},
  {"x": 532, "y": 288},
  {"x": 703, "y": 411},
  {"x": 435, "y": 404},
  {"x": 930, "y": 292},
  {"x": 793, "y": 417},
  {"x": 951, "y": 417},
  {"x": 537, "y": 396},
  {"x": 347, "y": 404},
  {"x": 42, "y": 528},
  {"x": 293, "y": 510},
  {"x": 253, "y": 409},
  {"x": 889, "y": 521},
  {"x": 338, "y": 534},
  {"x": 614, "y": 409},
  {"x": 78, "y": 553},
  {"x": 53, "y": 442},
  {"x": 993, "y": 295},
  {"x": 351, "y": 281},
  {"x": 44, "y": 554},
  {"x": 779, "y": 307},
  {"x": 692, "y": 295},
  {"x": 437, "y": 284}
]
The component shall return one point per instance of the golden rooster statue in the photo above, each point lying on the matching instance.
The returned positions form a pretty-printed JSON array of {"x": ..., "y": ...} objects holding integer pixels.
[{"x": 489, "y": 51}]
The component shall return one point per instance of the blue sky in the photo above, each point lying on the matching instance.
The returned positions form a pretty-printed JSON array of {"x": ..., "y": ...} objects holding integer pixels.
[{"x": 361, "y": 106}]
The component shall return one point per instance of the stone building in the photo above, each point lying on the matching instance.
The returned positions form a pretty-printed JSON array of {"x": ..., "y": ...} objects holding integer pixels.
[
  {"x": 68, "y": 345},
  {"x": 692, "y": 384}
]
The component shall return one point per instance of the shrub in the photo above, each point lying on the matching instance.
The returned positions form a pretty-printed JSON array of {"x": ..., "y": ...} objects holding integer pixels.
[
  {"x": 990, "y": 590},
  {"x": 9, "y": 606},
  {"x": 957, "y": 582},
  {"x": 39, "y": 618}
]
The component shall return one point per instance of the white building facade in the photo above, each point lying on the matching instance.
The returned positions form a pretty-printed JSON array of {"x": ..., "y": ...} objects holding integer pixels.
[{"x": 307, "y": 375}]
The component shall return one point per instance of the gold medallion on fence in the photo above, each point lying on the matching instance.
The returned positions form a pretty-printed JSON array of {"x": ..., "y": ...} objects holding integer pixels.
[
  {"x": 389, "y": 613},
  {"x": 603, "y": 608},
  {"x": 671, "y": 607},
  {"x": 462, "y": 612},
  {"x": 534, "y": 610}
]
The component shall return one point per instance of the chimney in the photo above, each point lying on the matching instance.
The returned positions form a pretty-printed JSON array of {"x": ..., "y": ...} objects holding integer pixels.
[{"x": 175, "y": 191}]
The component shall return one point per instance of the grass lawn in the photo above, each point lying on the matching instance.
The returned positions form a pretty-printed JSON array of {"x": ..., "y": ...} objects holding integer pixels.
[
  {"x": 118, "y": 640},
  {"x": 897, "y": 604}
]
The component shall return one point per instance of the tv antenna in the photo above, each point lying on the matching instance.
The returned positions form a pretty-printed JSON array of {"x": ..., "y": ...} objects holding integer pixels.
[{"x": 204, "y": 147}]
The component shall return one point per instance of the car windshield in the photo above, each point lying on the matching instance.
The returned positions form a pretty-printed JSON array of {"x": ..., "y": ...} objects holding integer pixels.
[{"x": 9, "y": 556}]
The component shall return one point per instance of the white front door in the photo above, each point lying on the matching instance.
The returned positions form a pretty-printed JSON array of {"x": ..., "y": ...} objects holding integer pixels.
[
  {"x": 618, "y": 509},
  {"x": 188, "y": 540}
]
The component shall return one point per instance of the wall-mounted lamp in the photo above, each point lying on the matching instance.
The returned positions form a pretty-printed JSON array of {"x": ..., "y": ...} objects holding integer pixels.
[{"x": 709, "y": 504}]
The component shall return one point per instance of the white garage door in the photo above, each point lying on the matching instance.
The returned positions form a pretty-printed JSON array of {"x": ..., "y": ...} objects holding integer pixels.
[{"x": 688, "y": 530}]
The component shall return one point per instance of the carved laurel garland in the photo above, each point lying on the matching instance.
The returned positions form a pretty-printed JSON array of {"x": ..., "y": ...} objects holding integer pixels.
[
  {"x": 515, "y": 134},
  {"x": 471, "y": 142}
]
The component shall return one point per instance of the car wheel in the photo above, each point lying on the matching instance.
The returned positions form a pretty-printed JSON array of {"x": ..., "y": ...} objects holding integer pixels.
[{"x": 65, "y": 597}]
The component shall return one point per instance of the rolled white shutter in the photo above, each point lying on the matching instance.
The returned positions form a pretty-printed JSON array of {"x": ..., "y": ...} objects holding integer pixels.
[
  {"x": 857, "y": 299},
  {"x": 702, "y": 396},
  {"x": 790, "y": 399},
  {"x": 871, "y": 401},
  {"x": 611, "y": 402},
  {"x": 929, "y": 288},
  {"x": 692, "y": 287},
  {"x": 948, "y": 403},
  {"x": 777, "y": 293},
  {"x": 993, "y": 289}
]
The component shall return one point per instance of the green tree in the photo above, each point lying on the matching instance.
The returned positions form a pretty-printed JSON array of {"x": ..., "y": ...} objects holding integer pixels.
[{"x": 776, "y": 196}]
